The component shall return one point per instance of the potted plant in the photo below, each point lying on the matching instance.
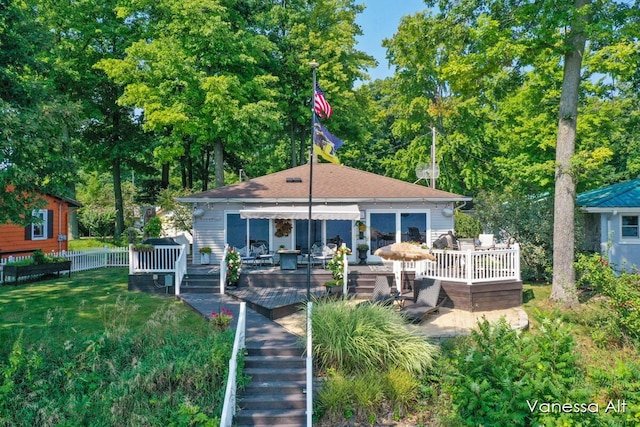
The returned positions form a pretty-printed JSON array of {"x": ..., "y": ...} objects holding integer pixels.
[
  {"x": 362, "y": 227},
  {"x": 221, "y": 320},
  {"x": 362, "y": 253},
  {"x": 336, "y": 266},
  {"x": 205, "y": 255}
]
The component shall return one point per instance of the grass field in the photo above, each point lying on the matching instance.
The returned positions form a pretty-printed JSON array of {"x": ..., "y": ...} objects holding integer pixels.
[
  {"x": 88, "y": 302},
  {"x": 85, "y": 351}
]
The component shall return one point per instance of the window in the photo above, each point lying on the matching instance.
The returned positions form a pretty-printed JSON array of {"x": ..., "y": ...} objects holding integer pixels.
[
  {"x": 384, "y": 227},
  {"x": 339, "y": 232},
  {"x": 237, "y": 231},
  {"x": 39, "y": 227},
  {"x": 630, "y": 226},
  {"x": 302, "y": 225}
]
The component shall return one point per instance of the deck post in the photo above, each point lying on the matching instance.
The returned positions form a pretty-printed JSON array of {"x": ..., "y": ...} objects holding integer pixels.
[{"x": 468, "y": 256}]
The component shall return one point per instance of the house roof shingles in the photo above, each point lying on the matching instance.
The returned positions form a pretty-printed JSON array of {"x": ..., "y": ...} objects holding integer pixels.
[
  {"x": 330, "y": 182},
  {"x": 622, "y": 195}
]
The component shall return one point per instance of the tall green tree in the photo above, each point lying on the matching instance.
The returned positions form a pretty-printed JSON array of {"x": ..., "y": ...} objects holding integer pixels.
[
  {"x": 36, "y": 120},
  {"x": 324, "y": 31},
  {"x": 491, "y": 75},
  {"x": 86, "y": 32},
  {"x": 199, "y": 76}
]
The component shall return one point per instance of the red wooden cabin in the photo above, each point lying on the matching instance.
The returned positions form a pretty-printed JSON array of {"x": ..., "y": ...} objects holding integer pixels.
[{"x": 50, "y": 234}]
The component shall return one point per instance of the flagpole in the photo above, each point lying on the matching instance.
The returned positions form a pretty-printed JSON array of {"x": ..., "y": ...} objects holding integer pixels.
[{"x": 313, "y": 64}]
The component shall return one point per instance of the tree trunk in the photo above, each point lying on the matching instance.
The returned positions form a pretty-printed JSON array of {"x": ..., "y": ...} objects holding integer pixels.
[
  {"x": 164, "y": 181},
  {"x": 294, "y": 149},
  {"x": 117, "y": 192},
  {"x": 564, "y": 283},
  {"x": 218, "y": 158}
]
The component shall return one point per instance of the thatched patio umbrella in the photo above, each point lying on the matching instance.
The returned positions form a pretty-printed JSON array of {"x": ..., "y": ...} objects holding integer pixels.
[{"x": 403, "y": 251}]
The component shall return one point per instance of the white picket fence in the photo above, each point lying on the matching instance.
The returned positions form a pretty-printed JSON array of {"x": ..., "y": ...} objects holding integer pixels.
[{"x": 83, "y": 260}]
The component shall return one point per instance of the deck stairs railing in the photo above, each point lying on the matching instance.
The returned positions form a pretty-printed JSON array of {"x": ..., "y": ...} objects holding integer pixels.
[{"x": 231, "y": 392}]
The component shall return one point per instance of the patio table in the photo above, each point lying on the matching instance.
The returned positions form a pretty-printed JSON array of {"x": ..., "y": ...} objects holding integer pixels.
[{"x": 289, "y": 259}]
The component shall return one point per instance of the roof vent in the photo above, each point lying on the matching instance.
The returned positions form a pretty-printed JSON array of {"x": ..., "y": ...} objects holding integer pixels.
[{"x": 294, "y": 179}]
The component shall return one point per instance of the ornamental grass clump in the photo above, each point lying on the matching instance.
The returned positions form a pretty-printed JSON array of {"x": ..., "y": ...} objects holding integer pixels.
[
  {"x": 361, "y": 338},
  {"x": 371, "y": 361}
]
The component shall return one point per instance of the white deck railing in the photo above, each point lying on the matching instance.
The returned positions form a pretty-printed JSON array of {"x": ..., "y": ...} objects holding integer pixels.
[
  {"x": 229, "y": 406},
  {"x": 181, "y": 269},
  {"x": 467, "y": 266},
  {"x": 223, "y": 269},
  {"x": 158, "y": 259}
]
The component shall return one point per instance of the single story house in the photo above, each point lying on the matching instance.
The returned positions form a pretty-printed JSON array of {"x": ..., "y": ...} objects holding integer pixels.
[
  {"x": 612, "y": 222},
  {"x": 274, "y": 209},
  {"x": 48, "y": 233}
]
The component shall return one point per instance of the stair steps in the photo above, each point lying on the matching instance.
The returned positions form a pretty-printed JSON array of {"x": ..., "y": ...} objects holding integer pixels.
[
  {"x": 200, "y": 283},
  {"x": 275, "y": 395}
]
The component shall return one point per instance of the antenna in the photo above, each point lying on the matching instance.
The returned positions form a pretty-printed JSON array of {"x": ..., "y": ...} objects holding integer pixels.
[
  {"x": 429, "y": 171},
  {"x": 423, "y": 171}
]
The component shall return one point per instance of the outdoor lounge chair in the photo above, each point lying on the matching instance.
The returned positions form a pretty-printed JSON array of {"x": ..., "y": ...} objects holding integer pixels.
[
  {"x": 426, "y": 294},
  {"x": 381, "y": 292}
]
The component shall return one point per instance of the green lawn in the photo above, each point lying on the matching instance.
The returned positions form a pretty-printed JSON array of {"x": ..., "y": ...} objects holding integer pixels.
[{"x": 80, "y": 305}]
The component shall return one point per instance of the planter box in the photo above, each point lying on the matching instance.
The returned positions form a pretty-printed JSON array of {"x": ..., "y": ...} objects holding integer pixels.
[{"x": 17, "y": 271}]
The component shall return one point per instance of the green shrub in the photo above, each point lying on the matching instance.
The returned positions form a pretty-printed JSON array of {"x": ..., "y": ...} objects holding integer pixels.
[
  {"x": 362, "y": 338},
  {"x": 466, "y": 226},
  {"x": 499, "y": 373},
  {"x": 526, "y": 218},
  {"x": 595, "y": 273}
]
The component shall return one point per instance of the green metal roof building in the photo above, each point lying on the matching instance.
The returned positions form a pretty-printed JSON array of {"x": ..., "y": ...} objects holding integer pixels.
[{"x": 612, "y": 222}]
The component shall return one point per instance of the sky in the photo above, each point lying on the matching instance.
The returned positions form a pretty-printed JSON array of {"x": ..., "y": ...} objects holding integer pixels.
[{"x": 380, "y": 20}]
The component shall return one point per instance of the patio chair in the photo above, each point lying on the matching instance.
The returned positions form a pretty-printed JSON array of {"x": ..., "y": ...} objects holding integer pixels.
[
  {"x": 414, "y": 234},
  {"x": 486, "y": 241},
  {"x": 381, "y": 292},
  {"x": 247, "y": 256},
  {"x": 262, "y": 254},
  {"x": 426, "y": 294},
  {"x": 325, "y": 254}
]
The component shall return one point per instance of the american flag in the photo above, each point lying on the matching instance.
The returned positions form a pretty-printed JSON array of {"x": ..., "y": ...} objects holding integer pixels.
[{"x": 320, "y": 104}]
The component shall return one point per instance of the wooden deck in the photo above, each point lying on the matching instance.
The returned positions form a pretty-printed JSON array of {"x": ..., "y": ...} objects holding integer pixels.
[{"x": 276, "y": 293}]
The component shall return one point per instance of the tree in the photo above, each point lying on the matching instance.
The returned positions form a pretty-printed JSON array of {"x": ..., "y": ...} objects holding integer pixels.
[
  {"x": 35, "y": 120},
  {"x": 84, "y": 33},
  {"x": 196, "y": 90},
  {"x": 564, "y": 280},
  {"x": 491, "y": 73}
]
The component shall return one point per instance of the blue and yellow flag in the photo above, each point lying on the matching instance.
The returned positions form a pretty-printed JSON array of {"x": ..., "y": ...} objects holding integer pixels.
[{"x": 325, "y": 144}]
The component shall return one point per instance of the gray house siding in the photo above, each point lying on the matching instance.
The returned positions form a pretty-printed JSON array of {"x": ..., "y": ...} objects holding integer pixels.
[{"x": 209, "y": 228}]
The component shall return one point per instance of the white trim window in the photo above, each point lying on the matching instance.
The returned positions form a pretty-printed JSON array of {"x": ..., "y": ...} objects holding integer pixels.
[
  {"x": 629, "y": 227},
  {"x": 39, "y": 227}
]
